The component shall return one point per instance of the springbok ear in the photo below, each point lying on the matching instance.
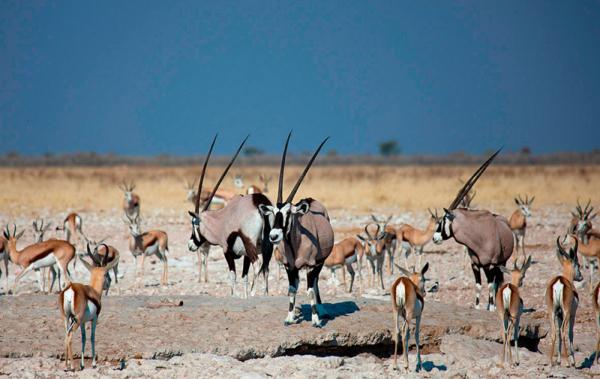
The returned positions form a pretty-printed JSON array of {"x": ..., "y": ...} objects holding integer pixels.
[
  {"x": 592, "y": 216},
  {"x": 6, "y": 235},
  {"x": 531, "y": 200},
  {"x": 85, "y": 263},
  {"x": 504, "y": 270},
  {"x": 301, "y": 208},
  {"x": 526, "y": 265},
  {"x": 404, "y": 271},
  {"x": 517, "y": 201},
  {"x": 193, "y": 215},
  {"x": 361, "y": 237},
  {"x": 425, "y": 268},
  {"x": 265, "y": 209},
  {"x": 20, "y": 234}
]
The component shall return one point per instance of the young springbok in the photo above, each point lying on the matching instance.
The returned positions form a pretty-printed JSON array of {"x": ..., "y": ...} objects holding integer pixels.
[
  {"x": 562, "y": 301},
  {"x": 131, "y": 201},
  {"x": 152, "y": 242},
  {"x": 518, "y": 222},
  {"x": 39, "y": 255},
  {"x": 510, "y": 307},
  {"x": 344, "y": 253},
  {"x": 374, "y": 247},
  {"x": 80, "y": 303},
  {"x": 416, "y": 238},
  {"x": 596, "y": 304},
  {"x": 408, "y": 301}
]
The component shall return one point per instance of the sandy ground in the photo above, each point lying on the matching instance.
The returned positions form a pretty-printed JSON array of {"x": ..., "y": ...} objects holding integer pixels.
[{"x": 448, "y": 266}]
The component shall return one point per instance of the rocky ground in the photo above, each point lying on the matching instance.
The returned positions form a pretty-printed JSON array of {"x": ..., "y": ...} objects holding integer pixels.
[{"x": 141, "y": 334}]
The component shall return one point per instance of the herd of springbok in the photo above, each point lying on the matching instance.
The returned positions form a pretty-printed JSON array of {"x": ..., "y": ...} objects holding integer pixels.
[{"x": 300, "y": 236}]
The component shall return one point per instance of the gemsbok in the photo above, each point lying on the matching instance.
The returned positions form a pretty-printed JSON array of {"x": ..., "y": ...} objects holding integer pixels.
[
  {"x": 345, "y": 253},
  {"x": 562, "y": 301},
  {"x": 596, "y": 305},
  {"x": 306, "y": 234},
  {"x": 238, "y": 228},
  {"x": 80, "y": 304},
  {"x": 39, "y": 255},
  {"x": 415, "y": 238},
  {"x": 510, "y": 308},
  {"x": 374, "y": 247},
  {"x": 151, "y": 242},
  {"x": 131, "y": 201},
  {"x": 518, "y": 222},
  {"x": 487, "y": 236},
  {"x": 408, "y": 301}
]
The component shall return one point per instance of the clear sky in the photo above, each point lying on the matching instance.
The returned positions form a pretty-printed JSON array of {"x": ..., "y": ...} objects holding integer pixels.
[{"x": 150, "y": 77}]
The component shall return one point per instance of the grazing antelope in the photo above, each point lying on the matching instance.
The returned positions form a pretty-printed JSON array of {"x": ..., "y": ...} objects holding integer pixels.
[
  {"x": 265, "y": 188},
  {"x": 510, "y": 308},
  {"x": 4, "y": 258},
  {"x": 390, "y": 240},
  {"x": 416, "y": 238},
  {"x": 71, "y": 225},
  {"x": 374, "y": 247},
  {"x": 238, "y": 228},
  {"x": 306, "y": 234},
  {"x": 101, "y": 249},
  {"x": 80, "y": 303},
  {"x": 518, "y": 222},
  {"x": 408, "y": 301},
  {"x": 345, "y": 253},
  {"x": 39, "y": 255},
  {"x": 596, "y": 305},
  {"x": 562, "y": 301},
  {"x": 152, "y": 242},
  {"x": 487, "y": 236},
  {"x": 131, "y": 201}
]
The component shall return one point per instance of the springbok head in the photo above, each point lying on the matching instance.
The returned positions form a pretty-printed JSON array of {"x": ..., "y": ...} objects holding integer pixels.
[
  {"x": 373, "y": 242},
  {"x": 127, "y": 189},
  {"x": 443, "y": 230},
  {"x": 133, "y": 224},
  {"x": 100, "y": 265},
  {"x": 39, "y": 229},
  {"x": 238, "y": 181},
  {"x": 417, "y": 277},
  {"x": 569, "y": 261},
  {"x": 196, "y": 239},
  {"x": 381, "y": 222},
  {"x": 517, "y": 274},
  {"x": 583, "y": 218},
  {"x": 524, "y": 205},
  {"x": 280, "y": 214},
  {"x": 14, "y": 237},
  {"x": 265, "y": 181},
  {"x": 190, "y": 190}
]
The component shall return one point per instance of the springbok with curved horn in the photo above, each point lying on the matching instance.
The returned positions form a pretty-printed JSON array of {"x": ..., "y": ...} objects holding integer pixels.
[
  {"x": 345, "y": 253},
  {"x": 374, "y": 246},
  {"x": 131, "y": 201},
  {"x": 562, "y": 301},
  {"x": 416, "y": 238},
  {"x": 101, "y": 249},
  {"x": 487, "y": 236},
  {"x": 39, "y": 255},
  {"x": 238, "y": 228},
  {"x": 153, "y": 242},
  {"x": 39, "y": 229},
  {"x": 80, "y": 303},
  {"x": 510, "y": 308},
  {"x": 518, "y": 222},
  {"x": 581, "y": 227},
  {"x": 390, "y": 240},
  {"x": 307, "y": 236}
]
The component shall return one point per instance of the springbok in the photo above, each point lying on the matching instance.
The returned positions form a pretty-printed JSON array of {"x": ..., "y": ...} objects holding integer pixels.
[
  {"x": 518, "y": 222},
  {"x": 131, "y": 201},
  {"x": 80, "y": 303},
  {"x": 4, "y": 258},
  {"x": 596, "y": 305},
  {"x": 39, "y": 255},
  {"x": 374, "y": 246},
  {"x": 265, "y": 185},
  {"x": 238, "y": 228},
  {"x": 590, "y": 251},
  {"x": 101, "y": 249},
  {"x": 562, "y": 301},
  {"x": 510, "y": 308},
  {"x": 71, "y": 226},
  {"x": 307, "y": 236},
  {"x": 390, "y": 241},
  {"x": 152, "y": 242},
  {"x": 416, "y": 238},
  {"x": 220, "y": 198},
  {"x": 581, "y": 226},
  {"x": 408, "y": 301},
  {"x": 487, "y": 236},
  {"x": 39, "y": 229},
  {"x": 345, "y": 253}
]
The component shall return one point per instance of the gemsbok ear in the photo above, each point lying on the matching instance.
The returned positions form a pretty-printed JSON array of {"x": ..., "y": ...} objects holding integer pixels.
[
  {"x": 449, "y": 214},
  {"x": 265, "y": 209},
  {"x": 302, "y": 208}
]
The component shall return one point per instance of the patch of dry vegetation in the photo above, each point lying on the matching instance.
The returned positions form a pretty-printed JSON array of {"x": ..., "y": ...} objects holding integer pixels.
[{"x": 357, "y": 188}]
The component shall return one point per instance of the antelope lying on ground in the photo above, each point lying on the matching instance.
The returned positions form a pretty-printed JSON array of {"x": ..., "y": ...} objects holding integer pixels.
[
  {"x": 375, "y": 252},
  {"x": 39, "y": 255},
  {"x": 510, "y": 308},
  {"x": 518, "y": 222},
  {"x": 306, "y": 234},
  {"x": 345, "y": 253},
  {"x": 81, "y": 303},
  {"x": 562, "y": 301},
  {"x": 238, "y": 228},
  {"x": 596, "y": 305},
  {"x": 152, "y": 242},
  {"x": 390, "y": 241},
  {"x": 408, "y": 301},
  {"x": 416, "y": 238},
  {"x": 131, "y": 201},
  {"x": 487, "y": 236},
  {"x": 100, "y": 249}
]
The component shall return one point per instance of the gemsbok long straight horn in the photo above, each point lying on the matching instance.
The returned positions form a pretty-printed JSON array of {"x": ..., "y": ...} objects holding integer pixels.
[
  {"x": 238, "y": 228},
  {"x": 307, "y": 238},
  {"x": 487, "y": 237}
]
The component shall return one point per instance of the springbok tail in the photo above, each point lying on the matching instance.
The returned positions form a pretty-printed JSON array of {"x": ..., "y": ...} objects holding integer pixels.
[
  {"x": 506, "y": 295},
  {"x": 400, "y": 297}
]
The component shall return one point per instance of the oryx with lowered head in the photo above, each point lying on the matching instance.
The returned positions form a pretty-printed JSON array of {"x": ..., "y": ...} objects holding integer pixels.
[
  {"x": 238, "y": 228},
  {"x": 306, "y": 234},
  {"x": 487, "y": 236}
]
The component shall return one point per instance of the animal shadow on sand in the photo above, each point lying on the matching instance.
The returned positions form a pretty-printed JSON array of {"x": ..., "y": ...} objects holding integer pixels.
[
  {"x": 429, "y": 366},
  {"x": 329, "y": 311}
]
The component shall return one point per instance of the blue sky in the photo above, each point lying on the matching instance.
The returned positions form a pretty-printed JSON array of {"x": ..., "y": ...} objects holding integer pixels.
[{"x": 150, "y": 77}]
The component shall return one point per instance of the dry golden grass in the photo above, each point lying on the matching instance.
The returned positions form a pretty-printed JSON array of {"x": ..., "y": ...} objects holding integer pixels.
[{"x": 356, "y": 188}]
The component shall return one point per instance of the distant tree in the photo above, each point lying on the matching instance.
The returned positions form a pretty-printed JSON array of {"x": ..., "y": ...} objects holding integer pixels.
[
  {"x": 13, "y": 154},
  {"x": 252, "y": 151},
  {"x": 525, "y": 150},
  {"x": 332, "y": 153},
  {"x": 389, "y": 148}
]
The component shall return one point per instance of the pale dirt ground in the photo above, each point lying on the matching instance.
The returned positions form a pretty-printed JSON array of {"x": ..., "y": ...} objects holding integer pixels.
[{"x": 465, "y": 358}]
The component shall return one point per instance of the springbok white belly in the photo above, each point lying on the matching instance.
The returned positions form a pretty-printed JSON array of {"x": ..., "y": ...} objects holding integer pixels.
[
  {"x": 48, "y": 260},
  {"x": 152, "y": 249}
]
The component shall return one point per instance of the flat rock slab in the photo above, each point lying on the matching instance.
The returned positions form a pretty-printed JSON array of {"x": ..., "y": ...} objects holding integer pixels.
[{"x": 153, "y": 328}]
